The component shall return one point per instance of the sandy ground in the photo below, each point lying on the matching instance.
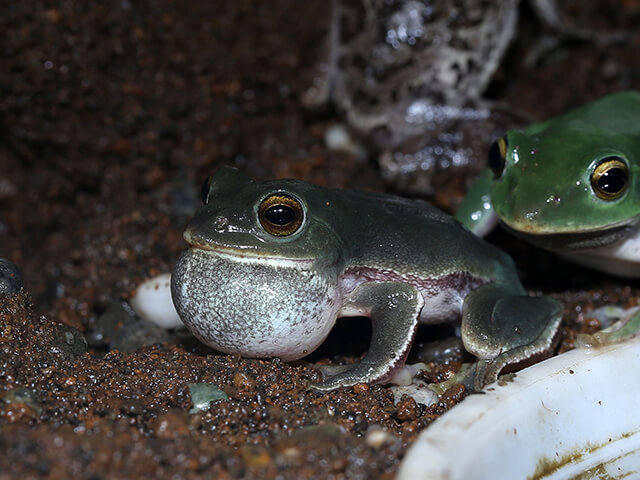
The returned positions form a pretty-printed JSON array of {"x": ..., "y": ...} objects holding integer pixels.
[{"x": 112, "y": 115}]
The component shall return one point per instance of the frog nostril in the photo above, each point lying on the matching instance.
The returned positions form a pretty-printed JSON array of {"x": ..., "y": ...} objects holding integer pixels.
[{"x": 220, "y": 223}]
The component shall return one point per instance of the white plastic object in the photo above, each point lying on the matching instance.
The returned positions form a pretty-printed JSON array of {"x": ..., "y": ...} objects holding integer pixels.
[{"x": 576, "y": 414}]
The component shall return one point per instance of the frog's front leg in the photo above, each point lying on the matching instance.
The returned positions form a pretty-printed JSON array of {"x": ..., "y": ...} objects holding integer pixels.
[
  {"x": 476, "y": 212},
  {"x": 501, "y": 326},
  {"x": 393, "y": 308}
]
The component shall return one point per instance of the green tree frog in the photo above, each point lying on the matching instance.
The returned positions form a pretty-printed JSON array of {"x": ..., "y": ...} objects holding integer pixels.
[
  {"x": 570, "y": 185},
  {"x": 271, "y": 265}
]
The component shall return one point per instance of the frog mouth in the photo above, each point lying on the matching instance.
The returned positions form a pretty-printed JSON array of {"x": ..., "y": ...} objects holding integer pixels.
[
  {"x": 248, "y": 254},
  {"x": 244, "y": 247},
  {"x": 572, "y": 241}
]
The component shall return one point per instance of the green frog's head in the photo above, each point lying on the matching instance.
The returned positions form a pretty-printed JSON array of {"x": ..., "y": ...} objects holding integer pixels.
[{"x": 576, "y": 174}]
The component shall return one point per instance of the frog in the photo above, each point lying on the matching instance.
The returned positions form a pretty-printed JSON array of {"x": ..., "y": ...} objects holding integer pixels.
[
  {"x": 569, "y": 185},
  {"x": 409, "y": 79},
  {"x": 271, "y": 265}
]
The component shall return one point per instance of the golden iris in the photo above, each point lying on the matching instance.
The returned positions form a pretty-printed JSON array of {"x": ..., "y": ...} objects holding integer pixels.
[
  {"x": 610, "y": 178},
  {"x": 281, "y": 214}
]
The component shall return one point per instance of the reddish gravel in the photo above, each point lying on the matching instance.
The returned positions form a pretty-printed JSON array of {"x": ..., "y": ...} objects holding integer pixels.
[{"x": 112, "y": 114}]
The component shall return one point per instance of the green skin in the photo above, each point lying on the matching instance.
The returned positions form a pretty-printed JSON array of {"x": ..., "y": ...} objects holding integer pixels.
[
  {"x": 545, "y": 193},
  {"x": 400, "y": 262},
  {"x": 546, "y": 196}
]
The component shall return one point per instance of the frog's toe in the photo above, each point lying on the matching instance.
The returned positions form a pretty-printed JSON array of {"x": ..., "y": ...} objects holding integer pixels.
[
  {"x": 328, "y": 371},
  {"x": 345, "y": 376}
]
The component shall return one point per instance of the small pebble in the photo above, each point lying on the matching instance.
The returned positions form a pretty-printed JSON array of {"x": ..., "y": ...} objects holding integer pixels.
[
  {"x": 69, "y": 341},
  {"x": 452, "y": 396},
  {"x": 136, "y": 335},
  {"x": 418, "y": 391},
  {"x": 202, "y": 394},
  {"x": 255, "y": 456},
  {"x": 360, "y": 388},
  {"x": 377, "y": 437},
  {"x": 338, "y": 139},
  {"x": 10, "y": 278},
  {"x": 407, "y": 408},
  {"x": 116, "y": 316}
]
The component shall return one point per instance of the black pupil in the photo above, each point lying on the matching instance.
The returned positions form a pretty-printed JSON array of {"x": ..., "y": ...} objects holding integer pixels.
[
  {"x": 496, "y": 162},
  {"x": 280, "y": 214},
  {"x": 613, "y": 180}
]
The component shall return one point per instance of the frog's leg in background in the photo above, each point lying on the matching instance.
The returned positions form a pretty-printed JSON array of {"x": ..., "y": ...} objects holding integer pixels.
[
  {"x": 476, "y": 212},
  {"x": 503, "y": 326},
  {"x": 623, "y": 324},
  {"x": 393, "y": 308}
]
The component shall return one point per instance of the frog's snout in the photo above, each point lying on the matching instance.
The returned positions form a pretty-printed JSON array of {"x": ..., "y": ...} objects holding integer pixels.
[
  {"x": 193, "y": 237},
  {"x": 200, "y": 230}
]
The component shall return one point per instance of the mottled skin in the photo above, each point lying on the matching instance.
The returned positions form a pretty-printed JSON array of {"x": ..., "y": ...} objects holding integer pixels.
[
  {"x": 408, "y": 77},
  {"x": 244, "y": 290},
  {"x": 546, "y": 189}
]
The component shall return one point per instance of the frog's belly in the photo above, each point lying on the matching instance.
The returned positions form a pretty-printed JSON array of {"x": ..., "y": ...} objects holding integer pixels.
[
  {"x": 621, "y": 258},
  {"x": 443, "y": 296}
]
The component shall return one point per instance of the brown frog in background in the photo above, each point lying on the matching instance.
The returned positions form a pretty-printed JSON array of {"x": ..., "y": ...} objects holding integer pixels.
[{"x": 408, "y": 76}]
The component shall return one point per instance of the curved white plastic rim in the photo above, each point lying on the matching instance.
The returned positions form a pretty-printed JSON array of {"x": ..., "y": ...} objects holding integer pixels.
[{"x": 574, "y": 414}]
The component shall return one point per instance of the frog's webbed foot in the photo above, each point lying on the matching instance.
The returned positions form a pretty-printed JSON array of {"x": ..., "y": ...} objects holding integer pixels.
[
  {"x": 393, "y": 309},
  {"x": 626, "y": 325},
  {"x": 502, "y": 326}
]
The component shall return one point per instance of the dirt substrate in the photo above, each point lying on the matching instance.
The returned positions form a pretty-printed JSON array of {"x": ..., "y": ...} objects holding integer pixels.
[{"x": 112, "y": 114}]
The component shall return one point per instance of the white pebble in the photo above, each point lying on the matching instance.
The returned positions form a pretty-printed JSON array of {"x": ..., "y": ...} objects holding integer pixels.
[
  {"x": 339, "y": 139},
  {"x": 152, "y": 301}
]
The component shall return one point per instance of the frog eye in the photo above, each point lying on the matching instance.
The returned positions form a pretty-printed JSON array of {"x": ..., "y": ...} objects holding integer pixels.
[
  {"x": 204, "y": 189},
  {"x": 497, "y": 156},
  {"x": 610, "y": 178},
  {"x": 280, "y": 214}
]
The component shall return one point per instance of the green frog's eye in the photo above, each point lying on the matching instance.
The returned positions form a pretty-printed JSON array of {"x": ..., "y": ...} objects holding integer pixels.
[
  {"x": 610, "y": 178},
  {"x": 204, "y": 189},
  {"x": 280, "y": 214},
  {"x": 497, "y": 156}
]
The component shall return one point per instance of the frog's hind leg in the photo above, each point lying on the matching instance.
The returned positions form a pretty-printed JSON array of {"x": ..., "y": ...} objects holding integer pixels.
[
  {"x": 393, "y": 308},
  {"x": 503, "y": 326}
]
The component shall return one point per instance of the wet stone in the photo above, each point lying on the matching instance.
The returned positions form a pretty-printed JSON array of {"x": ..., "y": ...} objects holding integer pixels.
[
  {"x": 138, "y": 334},
  {"x": 446, "y": 350},
  {"x": 115, "y": 317},
  {"x": 10, "y": 278},
  {"x": 202, "y": 394},
  {"x": 69, "y": 341}
]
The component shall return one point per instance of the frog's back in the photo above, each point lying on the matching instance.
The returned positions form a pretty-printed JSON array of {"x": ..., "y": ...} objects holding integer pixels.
[
  {"x": 409, "y": 237},
  {"x": 617, "y": 113}
]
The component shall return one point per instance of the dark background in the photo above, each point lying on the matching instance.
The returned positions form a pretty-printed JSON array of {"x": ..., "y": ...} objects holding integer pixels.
[{"x": 111, "y": 116}]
